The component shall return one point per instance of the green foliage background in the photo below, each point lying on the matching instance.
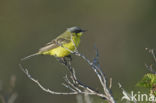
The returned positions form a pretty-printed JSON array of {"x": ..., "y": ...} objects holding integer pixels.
[{"x": 121, "y": 29}]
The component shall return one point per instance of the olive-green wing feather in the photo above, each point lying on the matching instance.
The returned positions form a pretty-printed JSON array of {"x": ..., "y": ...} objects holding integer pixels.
[{"x": 64, "y": 38}]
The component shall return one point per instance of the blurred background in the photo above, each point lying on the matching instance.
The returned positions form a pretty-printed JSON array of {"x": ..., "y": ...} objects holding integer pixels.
[{"x": 121, "y": 30}]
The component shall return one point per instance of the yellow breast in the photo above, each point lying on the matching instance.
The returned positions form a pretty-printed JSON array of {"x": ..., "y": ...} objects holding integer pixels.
[{"x": 62, "y": 51}]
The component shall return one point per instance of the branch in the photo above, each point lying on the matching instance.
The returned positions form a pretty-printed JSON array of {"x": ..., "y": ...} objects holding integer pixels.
[
  {"x": 75, "y": 85},
  {"x": 53, "y": 92},
  {"x": 40, "y": 85},
  {"x": 100, "y": 76}
]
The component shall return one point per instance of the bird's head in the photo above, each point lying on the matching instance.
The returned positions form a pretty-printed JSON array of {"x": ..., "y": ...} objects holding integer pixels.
[{"x": 76, "y": 31}]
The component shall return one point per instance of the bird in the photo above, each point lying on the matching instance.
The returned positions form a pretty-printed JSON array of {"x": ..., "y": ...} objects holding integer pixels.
[{"x": 61, "y": 46}]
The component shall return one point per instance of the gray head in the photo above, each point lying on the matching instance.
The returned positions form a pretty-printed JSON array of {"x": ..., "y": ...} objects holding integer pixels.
[{"x": 75, "y": 29}]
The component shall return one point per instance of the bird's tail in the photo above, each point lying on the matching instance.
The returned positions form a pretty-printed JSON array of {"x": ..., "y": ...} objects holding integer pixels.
[{"x": 29, "y": 56}]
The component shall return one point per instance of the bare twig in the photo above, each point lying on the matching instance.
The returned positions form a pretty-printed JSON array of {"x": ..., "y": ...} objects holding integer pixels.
[
  {"x": 58, "y": 93},
  {"x": 149, "y": 67},
  {"x": 153, "y": 54},
  {"x": 40, "y": 85},
  {"x": 100, "y": 76}
]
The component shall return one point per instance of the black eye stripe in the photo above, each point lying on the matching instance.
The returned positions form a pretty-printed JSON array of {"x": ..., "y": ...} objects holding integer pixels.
[{"x": 77, "y": 31}]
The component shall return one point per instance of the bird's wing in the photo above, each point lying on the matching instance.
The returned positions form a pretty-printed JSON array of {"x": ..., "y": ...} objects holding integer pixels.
[{"x": 54, "y": 44}]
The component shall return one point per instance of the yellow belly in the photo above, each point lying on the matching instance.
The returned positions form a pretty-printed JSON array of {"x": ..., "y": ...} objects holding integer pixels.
[{"x": 62, "y": 51}]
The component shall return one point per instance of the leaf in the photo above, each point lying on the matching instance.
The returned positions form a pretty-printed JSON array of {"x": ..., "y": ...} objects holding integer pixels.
[{"x": 148, "y": 81}]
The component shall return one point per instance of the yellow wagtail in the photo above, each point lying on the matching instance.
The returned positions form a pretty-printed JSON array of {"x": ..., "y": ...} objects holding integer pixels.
[{"x": 62, "y": 45}]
